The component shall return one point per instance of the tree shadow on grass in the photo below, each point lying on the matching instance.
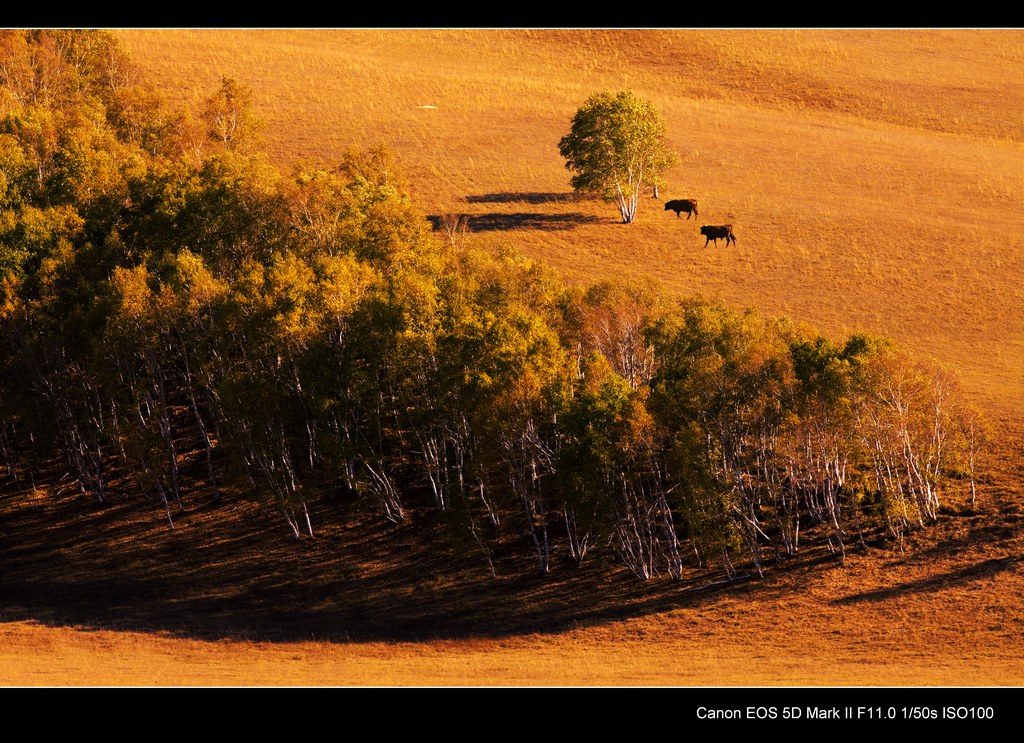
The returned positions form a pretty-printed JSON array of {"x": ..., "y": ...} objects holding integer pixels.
[
  {"x": 234, "y": 572},
  {"x": 984, "y": 569},
  {"x": 527, "y": 220},
  {"x": 499, "y": 221},
  {"x": 528, "y": 197}
]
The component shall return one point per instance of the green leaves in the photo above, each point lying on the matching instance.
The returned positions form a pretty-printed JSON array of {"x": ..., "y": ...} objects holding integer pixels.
[{"x": 615, "y": 147}]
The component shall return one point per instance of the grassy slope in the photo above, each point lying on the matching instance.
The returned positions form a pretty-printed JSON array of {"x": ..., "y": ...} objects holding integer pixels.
[
  {"x": 875, "y": 181},
  {"x": 873, "y": 178}
]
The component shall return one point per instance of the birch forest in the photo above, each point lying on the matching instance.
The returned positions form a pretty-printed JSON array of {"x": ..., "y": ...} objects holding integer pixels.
[{"x": 182, "y": 322}]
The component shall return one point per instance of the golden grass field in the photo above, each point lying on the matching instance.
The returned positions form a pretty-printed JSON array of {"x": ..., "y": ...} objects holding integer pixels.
[{"x": 875, "y": 181}]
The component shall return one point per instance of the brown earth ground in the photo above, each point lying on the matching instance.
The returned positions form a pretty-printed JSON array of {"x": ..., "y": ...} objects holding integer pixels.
[{"x": 875, "y": 180}]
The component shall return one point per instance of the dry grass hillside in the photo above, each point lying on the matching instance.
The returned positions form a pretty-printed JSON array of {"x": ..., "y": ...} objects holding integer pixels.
[
  {"x": 875, "y": 181},
  {"x": 874, "y": 177}
]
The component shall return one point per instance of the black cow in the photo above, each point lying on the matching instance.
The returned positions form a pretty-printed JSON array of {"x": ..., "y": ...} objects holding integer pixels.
[
  {"x": 714, "y": 232},
  {"x": 682, "y": 205}
]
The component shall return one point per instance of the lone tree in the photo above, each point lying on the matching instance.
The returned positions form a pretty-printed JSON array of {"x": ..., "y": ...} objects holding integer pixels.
[{"x": 616, "y": 146}]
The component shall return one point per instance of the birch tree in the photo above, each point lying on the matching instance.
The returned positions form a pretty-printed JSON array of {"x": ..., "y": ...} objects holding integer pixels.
[{"x": 616, "y": 147}]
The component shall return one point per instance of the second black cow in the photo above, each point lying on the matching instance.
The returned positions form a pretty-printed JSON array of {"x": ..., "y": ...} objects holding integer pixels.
[
  {"x": 716, "y": 232},
  {"x": 682, "y": 205}
]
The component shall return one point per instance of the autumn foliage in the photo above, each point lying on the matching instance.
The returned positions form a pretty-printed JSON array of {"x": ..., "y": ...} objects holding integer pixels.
[{"x": 168, "y": 297}]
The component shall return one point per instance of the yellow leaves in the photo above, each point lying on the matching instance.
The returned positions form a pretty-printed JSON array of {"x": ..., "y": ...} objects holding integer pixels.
[
  {"x": 45, "y": 227},
  {"x": 9, "y": 289},
  {"x": 230, "y": 119},
  {"x": 248, "y": 281},
  {"x": 343, "y": 281},
  {"x": 13, "y": 162},
  {"x": 132, "y": 287},
  {"x": 135, "y": 310},
  {"x": 415, "y": 295},
  {"x": 480, "y": 379},
  {"x": 395, "y": 233},
  {"x": 790, "y": 419},
  {"x": 289, "y": 283},
  {"x": 375, "y": 166},
  {"x": 298, "y": 298},
  {"x": 641, "y": 430},
  {"x": 56, "y": 257},
  {"x": 597, "y": 372},
  {"x": 202, "y": 288},
  {"x": 322, "y": 209}
]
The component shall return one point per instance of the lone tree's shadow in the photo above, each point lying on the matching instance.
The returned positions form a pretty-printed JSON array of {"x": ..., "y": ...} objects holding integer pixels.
[
  {"x": 521, "y": 220},
  {"x": 528, "y": 197}
]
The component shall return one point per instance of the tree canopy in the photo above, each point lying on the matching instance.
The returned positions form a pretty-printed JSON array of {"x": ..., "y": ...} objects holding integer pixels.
[
  {"x": 615, "y": 147},
  {"x": 181, "y": 321}
]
